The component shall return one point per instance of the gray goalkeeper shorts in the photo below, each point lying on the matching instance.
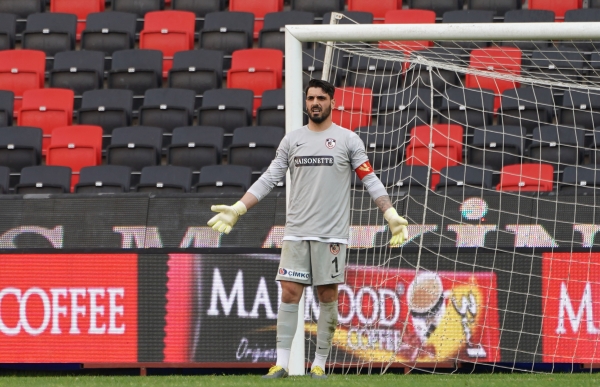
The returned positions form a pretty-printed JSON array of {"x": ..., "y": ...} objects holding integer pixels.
[{"x": 312, "y": 263}]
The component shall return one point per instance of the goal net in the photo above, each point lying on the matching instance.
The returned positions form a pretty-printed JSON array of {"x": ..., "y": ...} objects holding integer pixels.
[{"x": 489, "y": 149}]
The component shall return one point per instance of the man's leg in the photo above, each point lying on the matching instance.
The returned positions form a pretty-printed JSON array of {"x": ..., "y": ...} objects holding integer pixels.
[
  {"x": 287, "y": 320},
  {"x": 328, "y": 318}
]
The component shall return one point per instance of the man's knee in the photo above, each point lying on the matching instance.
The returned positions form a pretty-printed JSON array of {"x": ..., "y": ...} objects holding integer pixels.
[
  {"x": 291, "y": 292},
  {"x": 327, "y": 293}
]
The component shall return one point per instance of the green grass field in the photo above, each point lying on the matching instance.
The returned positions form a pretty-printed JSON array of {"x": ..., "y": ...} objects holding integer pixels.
[{"x": 395, "y": 380}]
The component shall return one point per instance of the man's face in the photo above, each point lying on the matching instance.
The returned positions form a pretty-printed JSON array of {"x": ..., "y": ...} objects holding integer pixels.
[{"x": 318, "y": 105}]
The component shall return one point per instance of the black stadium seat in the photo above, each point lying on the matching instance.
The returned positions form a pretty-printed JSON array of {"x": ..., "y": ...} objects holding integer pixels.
[
  {"x": 467, "y": 16},
  {"x": 467, "y": 107},
  {"x": 8, "y": 30},
  {"x": 404, "y": 108},
  {"x": 79, "y": 71},
  {"x": 272, "y": 109},
  {"x": 226, "y": 108},
  {"x": 196, "y": 147},
  {"x": 221, "y": 179},
  {"x": 375, "y": 74},
  {"x": 51, "y": 33},
  {"x": 529, "y": 107},
  {"x": 44, "y": 179},
  {"x": 138, "y": 7},
  {"x": 581, "y": 109},
  {"x": 198, "y": 70},
  {"x": 497, "y": 146},
  {"x": 109, "y": 32},
  {"x": 167, "y": 109},
  {"x": 438, "y": 6},
  {"x": 22, "y": 9},
  {"x": 411, "y": 179},
  {"x": 500, "y": 7},
  {"x": 227, "y": 31},
  {"x": 136, "y": 70},
  {"x": 7, "y": 101},
  {"x": 20, "y": 147},
  {"x": 558, "y": 145},
  {"x": 104, "y": 179},
  {"x": 384, "y": 147},
  {"x": 319, "y": 7},
  {"x": 165, "y": 179},
  {"x": 272, "y": 34},
  {"x": 579, "y": 180},
  {"x": 255, "y": 146},
  {"x": 135, "y": 146},
  {"x": 464, "y": 180}
]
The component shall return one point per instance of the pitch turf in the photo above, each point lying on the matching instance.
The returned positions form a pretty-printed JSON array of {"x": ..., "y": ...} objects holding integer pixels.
[{"x": 487, "y": 380}]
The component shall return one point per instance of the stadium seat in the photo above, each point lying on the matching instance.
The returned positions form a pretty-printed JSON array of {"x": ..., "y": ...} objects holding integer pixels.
[
  {"x": 408, "y": 16},
  {"x": 21, "y": 70},
  {"x": 197, "y": 70},
  {"x": 138, "y": 7},
  {"x": 109, "y": 32},
  {"x": 407, "y": 179},
  {"x": 200, "y": 8},
  {"x": 312, "y": 65},
  {"x": 558, "y": 64},
  {"x": 469, "y": 107},
  {"x": 4, "y": 180},
  {"x": 103, "y": 179},
  {"x": 272, "y": 109},
  {"x": 351, "y": 17},
  {"x": 167, "y": 109},
  {"x": 438, "y": 6},
  {"x": 579, "y": 180},
  {"x": 467, "y": 16},
  {"x": 22, "y": 9},
  {"x": 169, "y": 32},
  {"x": 255, "y": 146},
  {"x": 196, "y": 147},
  {"x": 496, "y": 146},
  {"x": 8, "y": 30},
  {"x": 51, "y": 33},
  {"x": 20, "y": 147},
  {"x": 272, "y": 35},
  {"x": 464, "y": 180},
  {"x": 226, "y": 108},
  {"x": 593, "y": 3},
  {"x": 557, "y": 145},
  {"x": 227, "y": 32},
  {"x": 7, "y": 102},
  {"x": 404, "y": 108},
  {"x": 526, "y": 178},
  {"x": 500, "y": 7},
  {"x": 559, "y": 7},
  {"x": 580, "y": 109},
  {"x": 419, "y": 75},
  {"x": 220, "y": 179},
  {"x": 378, "y": 9},
  {"x": 384, "y": 146},
  {"x": 375, "y": 74},
  {"x": 46, "y": 179},
  {"x": 106, "y": 108},
  {"x": 503, "y": 60},
  {"x": 256, "y": 69},
  {"x": 528, "y": 16},
  {"x": 75, "y": 147},
  {"x": 78, "y": 7},
  {"x": 528, "y": 107},
  {"x": 135, "y": 146},
  {"x": 47, "y": 109},
  {"x": 136, "y": 70},
  {"x": 79, "y": 71},
  {"x": 259, "y": 8},
  {"x": 318, "y": 7},
  {"x": 165, "y": 179},
  {"x": 352, "y": 107},
  {"x": 445, "y": 142},
  {"x": 582, "y": 15}
]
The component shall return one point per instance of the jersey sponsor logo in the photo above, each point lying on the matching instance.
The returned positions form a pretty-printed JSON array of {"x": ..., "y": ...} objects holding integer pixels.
[
  {"x": 330, "y": 143},
  {"x": 313, "y": 161},
  {"x": 293, "y": 274},
  {"x": 334, "y": 248},
  {"x": 364, "y": 169}
]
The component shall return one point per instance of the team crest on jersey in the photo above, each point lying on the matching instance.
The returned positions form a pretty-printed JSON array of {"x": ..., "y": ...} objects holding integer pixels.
[
  {"x": 334, "y": 248},
  {"x": 330, "y": 143}
]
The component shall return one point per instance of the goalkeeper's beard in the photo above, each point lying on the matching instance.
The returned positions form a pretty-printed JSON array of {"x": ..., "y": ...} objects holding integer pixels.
[{"x": 318, "y": 119}]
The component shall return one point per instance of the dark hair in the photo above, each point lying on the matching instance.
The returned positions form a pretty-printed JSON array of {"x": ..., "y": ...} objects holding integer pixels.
[{"x": 326, "y": 86}]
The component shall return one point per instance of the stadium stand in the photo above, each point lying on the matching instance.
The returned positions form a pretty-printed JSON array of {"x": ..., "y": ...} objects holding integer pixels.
[
  {"x": 103, "y": 179},
  {"x": 219, "y": 179},
  {"x": 46, "y": 179},
  {"x": 163, "y": 179}
]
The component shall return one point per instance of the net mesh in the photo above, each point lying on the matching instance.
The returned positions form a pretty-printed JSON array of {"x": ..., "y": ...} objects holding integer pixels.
[{"x": 489, "y": 149}]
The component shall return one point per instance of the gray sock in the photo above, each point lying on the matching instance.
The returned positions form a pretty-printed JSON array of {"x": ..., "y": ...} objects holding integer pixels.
[
  {"x": 328, "y": 318},
  {"x": 287, "y": 321}
]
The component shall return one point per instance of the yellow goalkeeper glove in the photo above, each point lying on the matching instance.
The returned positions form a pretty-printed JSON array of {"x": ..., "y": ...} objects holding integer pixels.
[
  {"x": 227, "y": 216},
  {"x": 397, "y": 226}
]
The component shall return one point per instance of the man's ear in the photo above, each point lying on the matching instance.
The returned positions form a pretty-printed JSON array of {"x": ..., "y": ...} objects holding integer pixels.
[{"x": 332, "y": 103}]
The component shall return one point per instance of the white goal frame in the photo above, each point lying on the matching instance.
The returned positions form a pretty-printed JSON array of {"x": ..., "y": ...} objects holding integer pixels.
[{"x": 295, "y": 35}]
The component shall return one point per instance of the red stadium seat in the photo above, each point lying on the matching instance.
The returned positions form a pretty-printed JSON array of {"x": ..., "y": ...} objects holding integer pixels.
[
  {"x": 75, "y": 147},
  {"x": 446, "y": 143},
  {"x": 259, "y": 8},
  {"x": 81, "y": 8},
  {"x": 21, "y": 70},
  {"x": 506, "y": 60},
  {"x": 169, "y": 32},
  {"x": 526, "y": 177},
  {"x": 257, "y": 69},
  {"x": 559, "y": 7},
  {"x": 377, "y": 8},
  {"x": 47, "y": 109},
  {"x": 352, "y": 107},
  {"x": 408, "y": 16}
]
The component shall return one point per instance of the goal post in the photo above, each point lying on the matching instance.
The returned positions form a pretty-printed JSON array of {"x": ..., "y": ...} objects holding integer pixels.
[{"x": 497, "y": 259}]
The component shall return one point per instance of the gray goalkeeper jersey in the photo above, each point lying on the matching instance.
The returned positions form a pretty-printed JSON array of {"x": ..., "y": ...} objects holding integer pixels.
[{"x": 321, "y": 165}]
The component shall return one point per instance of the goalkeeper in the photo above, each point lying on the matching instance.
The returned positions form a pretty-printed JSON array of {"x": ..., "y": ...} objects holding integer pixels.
[{"x": 321, "y": 157}]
